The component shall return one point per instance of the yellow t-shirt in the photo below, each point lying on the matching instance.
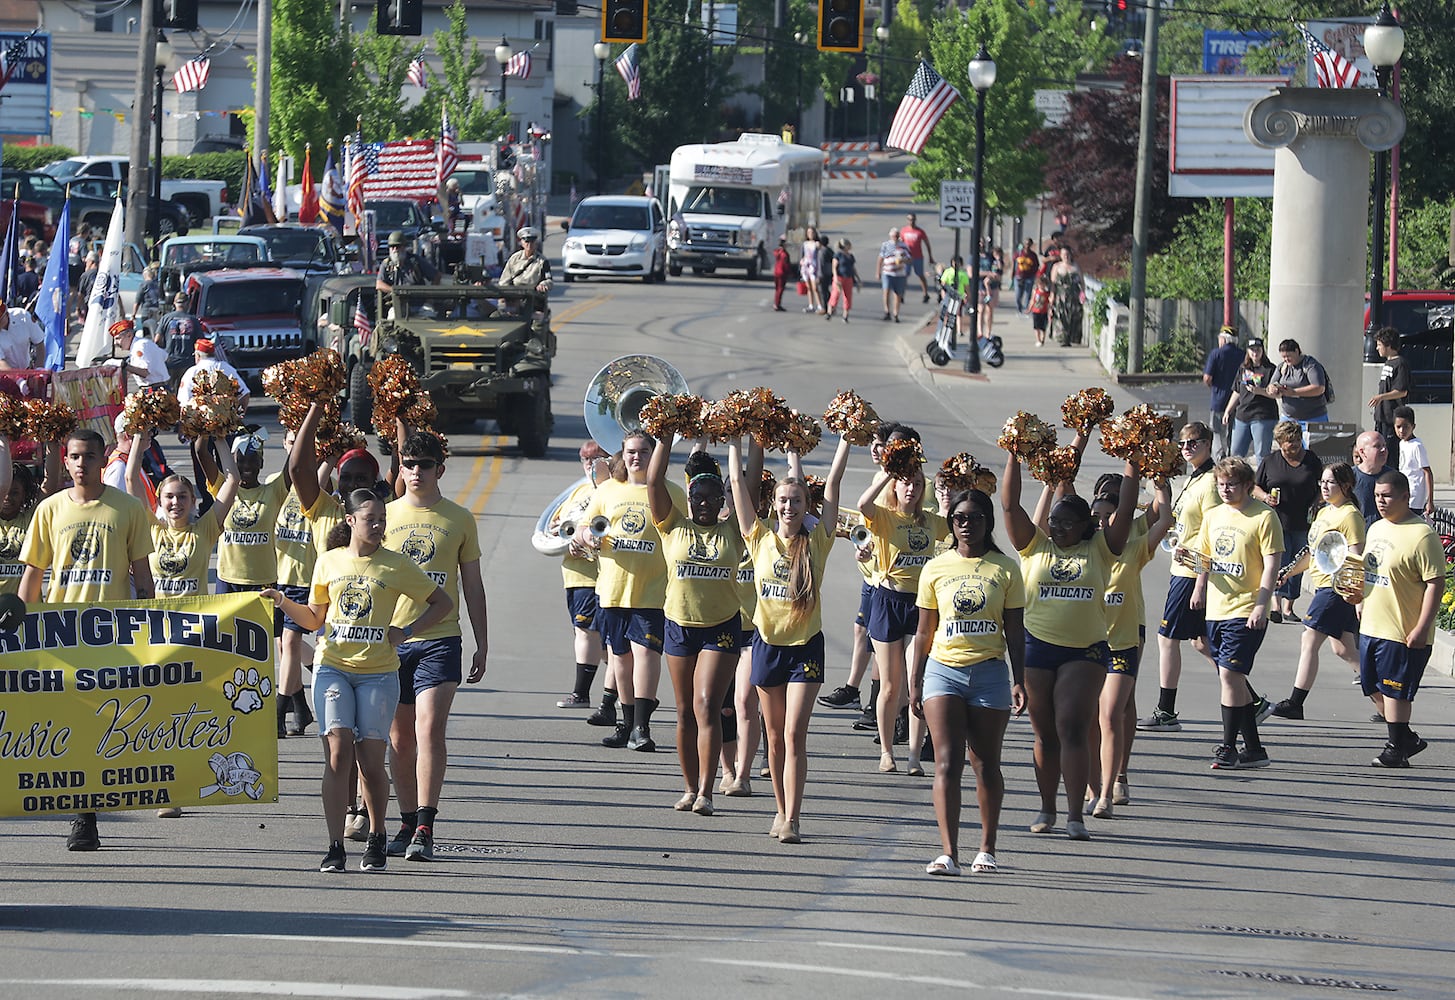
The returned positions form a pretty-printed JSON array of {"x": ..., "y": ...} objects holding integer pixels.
[
  {"x": 245, "y": 551},
  {"x": 12, "y": 537},
  {"x": 747, "y": 588},
  {"x": 1126, "y": 609},
  {"x": 702, "y": 570},
  {"x": 901, "y": 547},
  {"x": 88, "y": 547},
  {"x": 971, "y": 597},
  {"x": 1348, "y": 521},
  {"x": 180, "y": 557},
  {"x": 632, "y": 571},
  {"x": 576, "y": 571},
  {"x": 770, "y": 573},
  {"x": 361, "y": 594},
  {"x": 325, "y": 514},
  {"x": 1064, "y": 588},
  {"x": 1237, "y": 540},
  {"x": 293, "y": 543},
  {"x": 437, "y": 538},
  {"x": 1398, "y": 559},
  {"x": 1199, "y": 496}
]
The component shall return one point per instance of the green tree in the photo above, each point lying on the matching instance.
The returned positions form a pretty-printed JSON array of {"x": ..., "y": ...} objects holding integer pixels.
[
  {"x": 382, "y": 68},
  {"x": 461, "y": 62},
  {"x": 1012, "y": 164},
  {"x": 1191, "y": 266},
  {"x": 310, "y": 77}
]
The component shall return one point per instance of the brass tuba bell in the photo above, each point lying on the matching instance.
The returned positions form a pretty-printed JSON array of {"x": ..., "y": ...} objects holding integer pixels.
[
  {"x": 615, "y": 397},
  {"x": 1345, "y": 571}
]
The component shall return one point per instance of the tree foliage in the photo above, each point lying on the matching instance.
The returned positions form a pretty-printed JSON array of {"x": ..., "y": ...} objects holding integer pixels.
[
  {"x": 461, "y": 61},
  {"x": 1191, "y": 265},
  {"x": 381, "y": 64},
  {"x": 311, "y": 82}
]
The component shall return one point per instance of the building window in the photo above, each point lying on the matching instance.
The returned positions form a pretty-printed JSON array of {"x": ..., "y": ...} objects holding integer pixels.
[{"x": 546, "y": 32}]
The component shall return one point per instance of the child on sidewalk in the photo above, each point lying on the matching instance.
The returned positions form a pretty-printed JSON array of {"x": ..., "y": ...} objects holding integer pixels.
[{"x": 1414, "y": 461}]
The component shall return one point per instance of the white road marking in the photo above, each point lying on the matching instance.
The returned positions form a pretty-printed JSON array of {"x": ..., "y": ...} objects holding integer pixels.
[
  {"x": 529, "y": 949},
  {"x": 262, "y": 987},
  {"x": 961, "y": 984}
]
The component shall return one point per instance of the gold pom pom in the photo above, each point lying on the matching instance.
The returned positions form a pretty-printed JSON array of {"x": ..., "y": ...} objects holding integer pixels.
[
  {"x": 1085, "y": 409},
  {"x": 851, "y": 417},
  {"x": 1026, "y": 434},
  {"x": 903, "y": 457}
]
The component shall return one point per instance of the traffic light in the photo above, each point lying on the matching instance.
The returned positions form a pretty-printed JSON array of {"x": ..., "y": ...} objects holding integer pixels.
[
  {"x": 400, "y": 17},
  {"x": 841, "y": 25},
  {"x": 624, "y": 21},
  {"x": 180, "y": 15}
]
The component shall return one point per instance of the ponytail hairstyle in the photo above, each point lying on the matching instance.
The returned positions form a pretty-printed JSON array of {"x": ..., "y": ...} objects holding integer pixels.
[
  {"x": 339, "y": 534},
  {"x": 176, "y": 477},
  {"x": 802, "y": 589},
  {"x": 1343, "y": 474}
]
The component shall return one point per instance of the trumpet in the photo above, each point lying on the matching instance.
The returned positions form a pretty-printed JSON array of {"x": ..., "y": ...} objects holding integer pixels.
[
  {"x": 1193, "y": 559},
  {"x": 1170, "y": 541},
  {"x": 594, "y": 529}
]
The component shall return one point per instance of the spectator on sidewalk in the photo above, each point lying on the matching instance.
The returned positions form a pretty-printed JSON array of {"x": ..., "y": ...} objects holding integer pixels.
[
  {"x": 1394, "y": 385},
  {"x": 1220, "y": 375},
  {"x": 1371, "y": 460},
  {"x": 917, "y": 242},
  {"x": 782, "y": 267},
  {"x": 890, "y": 269},
  {"x": 1027, "y": 266},
  {"x": 1414, "y": 462},
  {"x": 1252, "y": 411},
  {"x": 1300, "y": 385}
]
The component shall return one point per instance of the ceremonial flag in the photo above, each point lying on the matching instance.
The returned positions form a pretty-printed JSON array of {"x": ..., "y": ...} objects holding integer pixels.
[
  {"x": 361, "y": 158},
  {"x": 51, "y": 305},
  {"x": 449, "y": 153},
  {"x": 418, "y": 73},
  {"x": 331, "y": 198},
  {"x": 12, "y": 57},
  {"x": 1331, "y": 69},
  {"x": 361, "y": 322},
  {"x": 308, "y": 197},
  {"x": 193, "y": 75},
  {"x": 518, "y": 66},
  {"x": 280, "y": 190},
  {"x": 10, "y": 267},
  {"x": 104, "y": 305},
  {"x": 626, "y": 65},
  {"x": 407, "y": 168},
  {"x": 923, "y": 105}
]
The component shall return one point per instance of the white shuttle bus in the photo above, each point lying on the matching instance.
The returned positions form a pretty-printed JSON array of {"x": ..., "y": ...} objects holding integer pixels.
[{"x": 729, "y": 202}]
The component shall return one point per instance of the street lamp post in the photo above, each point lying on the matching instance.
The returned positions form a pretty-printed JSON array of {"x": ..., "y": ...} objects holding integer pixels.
[
  {"x": 982, "y": 78},
  {"x": 881, "y": 33},
  {"x": 502, "y": 56},
  {"x": 602, "y": 52},
  {"x": 154, "y": 208},
  {"x": 1384, "y": 44},
  {"x": 801, "y": 38}
]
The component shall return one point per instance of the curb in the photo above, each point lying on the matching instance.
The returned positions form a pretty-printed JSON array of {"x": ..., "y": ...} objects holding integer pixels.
[{"x": 1443, "y": 656}]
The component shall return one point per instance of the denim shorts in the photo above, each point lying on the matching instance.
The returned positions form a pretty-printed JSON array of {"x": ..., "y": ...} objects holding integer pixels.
[
  {"x": 428, "y": 663},
  {"x": 982, "y": 685},
  {"x": 364, "y": 704}
]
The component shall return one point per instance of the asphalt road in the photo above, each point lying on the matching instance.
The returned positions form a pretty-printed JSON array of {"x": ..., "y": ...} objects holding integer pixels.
[{"x": 564, "y": 872}]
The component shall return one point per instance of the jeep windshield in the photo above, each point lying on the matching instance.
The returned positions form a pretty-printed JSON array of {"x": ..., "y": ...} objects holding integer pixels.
[
  {"x": 287, "y": 246},
  {"x": 181, "y": 254},
  {"x": 475, "y": 181},
  {"x": 267, "y": 297},
  {"x": 394, "y": 215}
]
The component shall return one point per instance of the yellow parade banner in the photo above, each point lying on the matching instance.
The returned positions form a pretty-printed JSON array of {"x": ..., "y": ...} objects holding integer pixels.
[{"x": 138, "y": 705}]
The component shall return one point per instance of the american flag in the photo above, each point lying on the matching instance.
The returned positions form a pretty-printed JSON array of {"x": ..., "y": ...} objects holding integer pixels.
[
  {"x": 192, "y": 75},
  {"x": 361, "y": 322},
  {"x": 1331, "y": 69},
  {"x": 626, "y": 65},
  {"x": 407, "y": 168},
  {"x": 12, "y": 57},
  {"x": 923, "y": 105},
  {"x": 418, "y": 73},
  {"x": 449, "y": 153},
  {"x": 363, "y": 161},
  {"x": 519, "y": 66}
]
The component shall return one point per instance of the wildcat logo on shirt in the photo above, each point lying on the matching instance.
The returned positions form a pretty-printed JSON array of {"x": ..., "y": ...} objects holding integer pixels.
[
  {"x": 1224, "y": 545},
  {"x": 11, "y": 539},
  {"x": 969, "y": 599},
  {"x": 85, "y": 543},
  {"x": 1064, "y": 569},
  {"x": 418, "y": 546},
  {"x": 1375, "y": 560},
  {"x": 355, "y": 602},
  {"x": 173, "y": 556},
  {"x": 632, "y": 522},
  {"x": 293, "y": 526},
  {"x": 777, "y": 588},
  {"x": 245, "y": 515},
  {"x": 704, "y": 548}
]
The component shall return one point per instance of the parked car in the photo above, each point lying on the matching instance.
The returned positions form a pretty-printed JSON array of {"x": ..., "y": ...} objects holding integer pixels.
[
  {"x": 175, "y": 220},
  {"x": 404, "y": 215},
  {"x": 260, "y": 313},
  {"x": 615, "y": 236},
  {"x": 315, "y": 249},
  {"x": 45, "y": 190},
  {"x": 200, "y": 199}
]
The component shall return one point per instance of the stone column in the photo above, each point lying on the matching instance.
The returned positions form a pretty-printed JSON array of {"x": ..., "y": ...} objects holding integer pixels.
[{"x": 1317, "y": 283}]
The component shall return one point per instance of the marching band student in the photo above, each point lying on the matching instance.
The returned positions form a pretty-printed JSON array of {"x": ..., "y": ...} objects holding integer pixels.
[
  {"x": 737, "y": 776},
  {"x": 1245, "y": 541},
  {"x": 1066, "y": 569},
  {"x": 969, "y": 671},
  {"x": 788, "y": 651},
  {"x": 904, "y": 536},
  {"x": 1329, "y": 616},
  {"x": 182, "y": 543},
  {"x": 1404, "y": 578},
  {"x": 356, "y": 588},
  {"x": 631, "y": 586},
  {"x": 296, "y": 552},
  {"x": 703, "y": 626},
  {"x": 578, "y": 576},
  {"x": 95, "y": 540}
]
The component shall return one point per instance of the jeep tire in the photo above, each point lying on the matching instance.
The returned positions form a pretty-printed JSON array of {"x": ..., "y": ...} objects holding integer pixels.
[
  {"x": 533, "y": 423},
  {"x": 361, "y": 397}
]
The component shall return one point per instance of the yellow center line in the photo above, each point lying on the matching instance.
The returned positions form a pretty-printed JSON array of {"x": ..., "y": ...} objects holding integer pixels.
[
  {"x": 497, "y": 464},
  {"x": 476, "y": 467},
  {"x": 558, "y": 321}
]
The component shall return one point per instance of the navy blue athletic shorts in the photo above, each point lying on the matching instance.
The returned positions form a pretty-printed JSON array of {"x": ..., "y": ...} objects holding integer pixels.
[
  {"x": 620, "y": 627},
  {"x": 1233, "y": 644},
  {"x": 774, "y": 666},
  {"x": 1179, "y": 621},
  {"x": 1391, "y": 668},
  {"x": 892, "y": 615},
  {"x": 689, "y": 640},
  {"x": 1042, "y": 655},
  {"x": 582, "y": 607},
  {"x": 1330, "y": 614},
  {"x": 427, "y": 663}
]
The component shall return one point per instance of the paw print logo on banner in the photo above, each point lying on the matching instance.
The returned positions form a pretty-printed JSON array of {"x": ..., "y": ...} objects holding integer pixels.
[{"x": 247, "y": 691}]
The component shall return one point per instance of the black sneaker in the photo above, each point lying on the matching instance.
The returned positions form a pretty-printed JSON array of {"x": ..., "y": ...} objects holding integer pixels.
[
  {"x": 1249, "y": 759},
  {"x": 1392, "y": 756},
  {"x": 84, "y": 836},
  {"x": 1225, "y": 757},
  {"x": 334, "y": 860},
  {"x": 641, "y": 740},
  {"x": 1262, "y": 708},
  {"x": 400, "y": 842},
  {"x": 574, "y": 700},
  {"x": 618, "y": 738},
  {"x": 1286, "y": 709},
  {"x": 868, "y": 721},
  {"x": 901, "y": 729},
  {"x": 603, "y": 716},
  {"x": 1414, "y": 744},
  {"x": 421, "y": 848},
  {"x": 374, "y": 858},
  {"x": 1275, "y": 617},
  {"x": 841, "y": 697}
]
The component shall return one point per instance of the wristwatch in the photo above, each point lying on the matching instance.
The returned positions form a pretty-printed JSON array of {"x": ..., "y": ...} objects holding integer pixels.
[{"x": 408, "y": 631}]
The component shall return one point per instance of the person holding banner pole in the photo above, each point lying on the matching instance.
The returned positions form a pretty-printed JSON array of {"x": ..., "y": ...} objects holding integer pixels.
[
  {"x": 357, "y": 585},
  {"x": 95, "y": 541}
]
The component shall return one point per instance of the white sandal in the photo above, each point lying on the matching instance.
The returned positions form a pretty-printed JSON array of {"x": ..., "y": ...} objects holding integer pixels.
[
  {"x": 943, "y": 865},
  {"x": 984, "y": 863}
]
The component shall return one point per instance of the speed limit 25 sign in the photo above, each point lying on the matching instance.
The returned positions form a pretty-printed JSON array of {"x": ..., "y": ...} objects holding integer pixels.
[{"x": 957, "y": 204}]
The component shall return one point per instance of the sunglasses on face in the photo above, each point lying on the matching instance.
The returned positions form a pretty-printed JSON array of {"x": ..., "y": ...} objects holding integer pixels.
[
  {"x": 1190, "y": 443},
  {"x": 962, "y": 519},
  {"x": 419, "y": 463}
]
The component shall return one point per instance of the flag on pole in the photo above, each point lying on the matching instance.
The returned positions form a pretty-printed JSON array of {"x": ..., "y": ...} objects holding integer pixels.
[
  {"x": 418, "y": 73},
  {"x": 193, "y": 75},
  {"x": 13, "y": 56},
  {"x": 51, "y": 305},
  {"x": 308, "y": 196},
  {"x": 361, "y": 322},
  {"x": 10, "y": 257},
  {"x": 103, "y": 307},
  {"x": 331, "y": 198},
  {"x": 518, "y": 65},
  {"x": 1331, "y": 69},
  {"x": 626, "y": 64},
  {"x": 280, "y": 190},
  {"x": 363, "y": 161},
  {"x": 920, "y": 110},
  {"x": 449, "y": 152}
]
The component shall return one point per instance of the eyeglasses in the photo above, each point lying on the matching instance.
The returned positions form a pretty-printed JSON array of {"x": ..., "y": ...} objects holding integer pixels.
[
  {"x": 419, "y": 463},
  {"x": 1057, "y": 524},
  {"x": 1190, "y": 443},
  {"x": 962, "y": 519}
]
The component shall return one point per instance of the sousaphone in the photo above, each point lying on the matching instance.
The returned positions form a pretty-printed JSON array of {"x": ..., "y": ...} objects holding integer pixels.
[
  {"x": 615, "y": 397},
  {"x": 1345, "y": 571}
]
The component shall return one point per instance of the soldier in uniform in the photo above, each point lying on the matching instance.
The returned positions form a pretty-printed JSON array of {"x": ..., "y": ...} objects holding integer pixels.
[
  {"x": 528, "y": 267},
  {"x": 404, "y": 267}
]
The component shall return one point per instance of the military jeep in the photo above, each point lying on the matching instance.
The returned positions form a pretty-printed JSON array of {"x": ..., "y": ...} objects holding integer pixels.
[{"x": 483, "y": 351}]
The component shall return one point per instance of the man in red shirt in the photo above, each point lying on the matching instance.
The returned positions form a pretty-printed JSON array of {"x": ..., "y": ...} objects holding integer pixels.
[{"x": 918, "y": 243}]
